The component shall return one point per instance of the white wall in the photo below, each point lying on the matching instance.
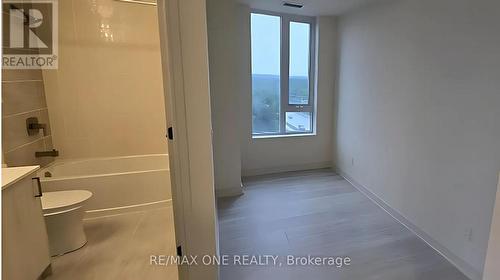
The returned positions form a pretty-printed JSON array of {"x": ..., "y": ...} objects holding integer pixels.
[
  {"x": 260, "y": 156},
  {"x": 231, "y": 97},
  {"x": 419, "y": 113},
  {"x": 224, "y": 57},
  {"x": 106, "y": 98},
  {"x": 492, "y": 266}
]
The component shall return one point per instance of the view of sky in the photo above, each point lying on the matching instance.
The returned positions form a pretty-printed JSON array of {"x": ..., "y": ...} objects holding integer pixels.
[
  {"x": 299, "y": 49},
  {"x": 266, "y": 46}
]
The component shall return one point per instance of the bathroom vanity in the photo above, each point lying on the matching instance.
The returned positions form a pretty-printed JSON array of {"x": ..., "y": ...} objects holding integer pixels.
[{"x": 25, "y": 254}]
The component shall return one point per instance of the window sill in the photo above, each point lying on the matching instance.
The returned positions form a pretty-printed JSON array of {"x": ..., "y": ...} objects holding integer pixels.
[{"x": 282, "y": 136}]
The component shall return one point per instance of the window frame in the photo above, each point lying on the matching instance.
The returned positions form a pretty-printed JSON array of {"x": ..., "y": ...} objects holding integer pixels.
[{"x": 285, "y": 106}]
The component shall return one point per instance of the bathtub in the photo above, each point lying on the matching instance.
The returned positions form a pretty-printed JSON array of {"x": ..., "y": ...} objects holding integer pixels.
[{"x": 119, "y": 184}]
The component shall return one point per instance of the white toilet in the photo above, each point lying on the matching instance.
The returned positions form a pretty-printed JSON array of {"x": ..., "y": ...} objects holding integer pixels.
[{"x": 63, "y": 212}]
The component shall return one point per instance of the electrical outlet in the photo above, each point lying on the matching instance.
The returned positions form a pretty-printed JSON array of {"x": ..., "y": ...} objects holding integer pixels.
[{"x": 352, "y": 161}]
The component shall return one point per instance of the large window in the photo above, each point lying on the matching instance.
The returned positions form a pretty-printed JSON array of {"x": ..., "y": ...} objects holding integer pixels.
[{"x": 282, "y": 74}]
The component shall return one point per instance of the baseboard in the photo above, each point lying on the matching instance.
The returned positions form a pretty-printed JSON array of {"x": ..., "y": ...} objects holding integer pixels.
[
  {"x": 286, "y": 168},
  {"x": 458, "y": 262},
  {"x": 228, "y": 192},
  {"x": 92, "y": 214}
]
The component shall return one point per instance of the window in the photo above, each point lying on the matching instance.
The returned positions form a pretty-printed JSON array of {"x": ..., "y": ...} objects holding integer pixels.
[{"x": 282, "y": 89}]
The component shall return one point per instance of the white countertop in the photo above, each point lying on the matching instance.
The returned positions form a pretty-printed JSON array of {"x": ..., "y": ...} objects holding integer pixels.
[{"x": 11, "y": 175}]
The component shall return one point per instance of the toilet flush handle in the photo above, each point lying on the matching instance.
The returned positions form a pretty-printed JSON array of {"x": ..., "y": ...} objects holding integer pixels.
[{"x": 36, "y": 181}]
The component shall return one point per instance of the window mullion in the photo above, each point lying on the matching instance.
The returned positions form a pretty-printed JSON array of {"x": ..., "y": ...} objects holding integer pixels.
[
  {"x": 312, "y": 65},
  {"x": 285, "y": 56}
]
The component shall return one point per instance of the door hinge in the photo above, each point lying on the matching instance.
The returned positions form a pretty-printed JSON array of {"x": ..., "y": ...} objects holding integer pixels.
[
  {"x": 170, "y": 133},
  {"x": 179, "y": 251}
]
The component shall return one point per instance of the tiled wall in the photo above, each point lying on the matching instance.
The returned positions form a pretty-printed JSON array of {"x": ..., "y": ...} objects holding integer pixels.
[
  {"x": 106, "y": 97},
  {"x": 23, "y": 97}
]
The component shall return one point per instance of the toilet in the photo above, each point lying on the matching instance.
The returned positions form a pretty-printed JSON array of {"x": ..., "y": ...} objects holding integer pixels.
[{"x": 63, "y": 212}]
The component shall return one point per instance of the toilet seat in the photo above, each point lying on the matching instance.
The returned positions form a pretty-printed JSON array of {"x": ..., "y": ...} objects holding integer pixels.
[{"x": 63, "y": 201}]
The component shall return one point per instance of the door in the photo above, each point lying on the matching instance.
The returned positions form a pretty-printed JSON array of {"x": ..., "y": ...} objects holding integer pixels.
[{"x": 183, "y": 36}]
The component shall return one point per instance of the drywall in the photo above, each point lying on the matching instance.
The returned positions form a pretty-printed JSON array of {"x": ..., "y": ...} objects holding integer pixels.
[
  {"x": 224, "y": 47},
  {"x": 231, "y": 97},
  {"x": 270, "y": 155},
  {"x": 418, "y": 115},
  {"x": 311, "y": 7},
  {"x": 106, "y": 98},
  {"x": 492, "y": 266}
]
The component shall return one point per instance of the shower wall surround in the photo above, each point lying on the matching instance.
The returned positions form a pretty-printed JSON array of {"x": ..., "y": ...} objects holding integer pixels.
[
  {"x": 106, "y": 97},
  {"x": 23, "y": 97}
]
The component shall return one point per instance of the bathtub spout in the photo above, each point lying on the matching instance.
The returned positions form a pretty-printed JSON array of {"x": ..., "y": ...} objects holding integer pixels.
[{"x": 53, "y": 153}]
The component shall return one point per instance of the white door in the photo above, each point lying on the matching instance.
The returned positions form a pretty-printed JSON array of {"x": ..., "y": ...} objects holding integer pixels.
[{"x": 183, "y": 35}]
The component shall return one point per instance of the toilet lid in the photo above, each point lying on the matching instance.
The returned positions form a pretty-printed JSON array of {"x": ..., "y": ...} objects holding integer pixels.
[{"x": 60, "y": 199}]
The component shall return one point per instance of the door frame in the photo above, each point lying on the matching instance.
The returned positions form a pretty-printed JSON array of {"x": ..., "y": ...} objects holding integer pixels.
[
  {"x": 184, "y": 49},
  {"x": 491, "y": 269}
]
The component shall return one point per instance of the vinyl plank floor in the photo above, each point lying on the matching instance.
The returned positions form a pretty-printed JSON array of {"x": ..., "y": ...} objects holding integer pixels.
[
  {"x": 119, "y": 247},
  {"x": 319, "y": 213}
]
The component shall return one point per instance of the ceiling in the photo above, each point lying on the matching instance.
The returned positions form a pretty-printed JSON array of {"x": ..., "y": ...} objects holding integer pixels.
[{"x": 311, "y": 7}]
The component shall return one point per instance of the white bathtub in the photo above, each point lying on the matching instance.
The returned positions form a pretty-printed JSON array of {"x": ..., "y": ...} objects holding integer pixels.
[{"x": 119, "y": 184}]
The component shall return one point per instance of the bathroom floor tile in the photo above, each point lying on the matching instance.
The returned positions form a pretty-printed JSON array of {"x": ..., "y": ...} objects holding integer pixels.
[{"x": 119, "y": 247}]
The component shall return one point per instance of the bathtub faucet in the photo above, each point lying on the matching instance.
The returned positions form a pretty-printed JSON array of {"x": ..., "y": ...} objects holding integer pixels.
[{"x": 53, "y": 153}]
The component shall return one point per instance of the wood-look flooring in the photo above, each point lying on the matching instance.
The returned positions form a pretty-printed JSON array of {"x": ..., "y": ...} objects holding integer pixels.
[
  {"x": 319, "y": 213},
  {"x": 119, "y": 247}
]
